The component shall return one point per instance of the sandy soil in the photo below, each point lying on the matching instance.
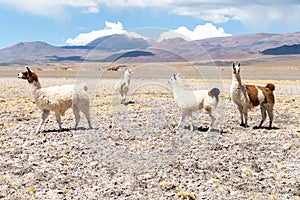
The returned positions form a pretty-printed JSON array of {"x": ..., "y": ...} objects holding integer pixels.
[{"x": 135, "y": 152}]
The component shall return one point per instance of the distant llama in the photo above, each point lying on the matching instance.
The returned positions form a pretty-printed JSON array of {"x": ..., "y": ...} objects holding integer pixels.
[
  {"x": 190, "y": 101},
  {"x": 249, "y": 96},
  {"x": 122, "y": 86},
  {"x": 58, "y": 99}
]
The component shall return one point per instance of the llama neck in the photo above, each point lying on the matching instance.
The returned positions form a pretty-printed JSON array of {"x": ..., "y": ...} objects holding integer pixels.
[
  {"x": 181, "y": 89},
  {"x": 127, "y": 79},
  {"x": 35, "y": 86},
  {"x": 236, "y": 79}
]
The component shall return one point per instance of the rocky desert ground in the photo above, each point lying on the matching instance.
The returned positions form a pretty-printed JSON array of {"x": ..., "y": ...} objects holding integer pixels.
[{"x": 135, "y": 152}]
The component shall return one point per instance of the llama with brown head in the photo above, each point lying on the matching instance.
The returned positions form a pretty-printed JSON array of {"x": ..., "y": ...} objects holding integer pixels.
[{"x": 58, "y": 99}]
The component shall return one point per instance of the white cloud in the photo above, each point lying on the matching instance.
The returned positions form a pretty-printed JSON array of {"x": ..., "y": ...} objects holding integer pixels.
[
  {"x": 50, "y": 8},
  {"x": 216, "y": 15},
  {"x": 91, "y": 10},
  {"x": 135, "y": 35},
  {"x": 262, "y": 17},
  {"x": 109, "y": 29},
  {"x": 255, "y": 14},
  {"x": 207, "y": 30}
]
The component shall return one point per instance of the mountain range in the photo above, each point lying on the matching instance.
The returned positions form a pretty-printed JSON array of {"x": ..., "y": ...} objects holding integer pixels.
[{"x": 123, "y": 48}]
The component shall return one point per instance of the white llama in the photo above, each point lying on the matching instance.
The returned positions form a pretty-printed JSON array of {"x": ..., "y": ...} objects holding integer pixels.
[
  {"x": 122, "y": 86},
  {"x": 190, "y": 101}
]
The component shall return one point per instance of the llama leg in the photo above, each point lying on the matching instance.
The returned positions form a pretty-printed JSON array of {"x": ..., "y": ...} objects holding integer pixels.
[
  {"x": 86, "y": 112},
  {"x": 189, "y": 114},
  {"x": 246, "y": 118},
  {"x": 240, "y": 108},
  {"x": 122, "y": 98},
  {"x": 212, "y": 118},
  {"x": 44, "y": 116},
  {"x": 181, "y": 119},
  {"x": 212, "y": 121},
  {"x": 270, "y": 113},
  {"x": 58, "y": 119},
  {"x": 77, "y": 116},
  {"x": 263, "y": 114},
  {"x": 125, "y": 94}
]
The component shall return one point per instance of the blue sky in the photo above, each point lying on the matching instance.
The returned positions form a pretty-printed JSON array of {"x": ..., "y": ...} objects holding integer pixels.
[{"x": 75, "y": 22}]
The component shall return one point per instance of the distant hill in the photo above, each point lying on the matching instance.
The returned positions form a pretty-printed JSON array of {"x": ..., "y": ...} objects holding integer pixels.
[
  {"x": 225, "y": 48},
  {"x": 283, "y": 50},
  {"x": 114, "y": 43},
  {"x": 123, "y": 48},
  {"x": 246, "y": 46},
  {"x": 118, "y": 42},
  {"x": 129, "y": 54},
  {"x": 25, "y": 53}
]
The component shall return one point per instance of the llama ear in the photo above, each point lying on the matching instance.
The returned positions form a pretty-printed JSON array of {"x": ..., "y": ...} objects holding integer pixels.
[
  {"x": 29, "y": 71},
  {"x": 239, "y": 64},
  {"x": 174, "y": 75},
  {"x": 233, "y": 68}
]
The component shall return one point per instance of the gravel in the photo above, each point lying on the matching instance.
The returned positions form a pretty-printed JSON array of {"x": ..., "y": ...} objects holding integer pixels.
[{"x": 135, "y": 152}]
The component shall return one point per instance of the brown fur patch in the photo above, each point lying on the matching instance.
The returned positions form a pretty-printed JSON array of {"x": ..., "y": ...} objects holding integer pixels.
[
  {"x": 271, "y": 86},
  {"x": 34, "y": 77},
  {"x": 209, "y": 94},
  {"x": 268, "y": 93},
  {"x": 208, "y": 109},
  {"x": 24, "y": 75},
  {"x": 233, "y": 70},
  {"x": 253, "y": 94},
  {"x": 30, "y": 76}
]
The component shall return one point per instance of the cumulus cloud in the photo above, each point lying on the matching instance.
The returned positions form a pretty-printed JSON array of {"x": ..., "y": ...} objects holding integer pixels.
[
  {"x": 109, "y": 29},
  {"x": 207, "y": 30}
]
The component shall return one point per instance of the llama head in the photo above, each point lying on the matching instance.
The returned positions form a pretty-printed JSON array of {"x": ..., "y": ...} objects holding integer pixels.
[
  {"x": 236, "y": 68},
  {"x": 214, "y": 93},
  {"x": 28, "y": 75},
  {"x": 174, "y": 78},
  {"x": 128, "y": 73}
]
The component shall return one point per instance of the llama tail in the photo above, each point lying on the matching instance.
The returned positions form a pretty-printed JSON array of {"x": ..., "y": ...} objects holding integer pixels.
[
  {"x": 214, "y": 93},
  {"x": 271, "y": 86}
]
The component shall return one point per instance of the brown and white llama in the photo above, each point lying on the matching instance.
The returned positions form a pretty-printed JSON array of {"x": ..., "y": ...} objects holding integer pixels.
[
  {"x": 58, "y": 99},
  {"x": 249, "y": 96}
]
